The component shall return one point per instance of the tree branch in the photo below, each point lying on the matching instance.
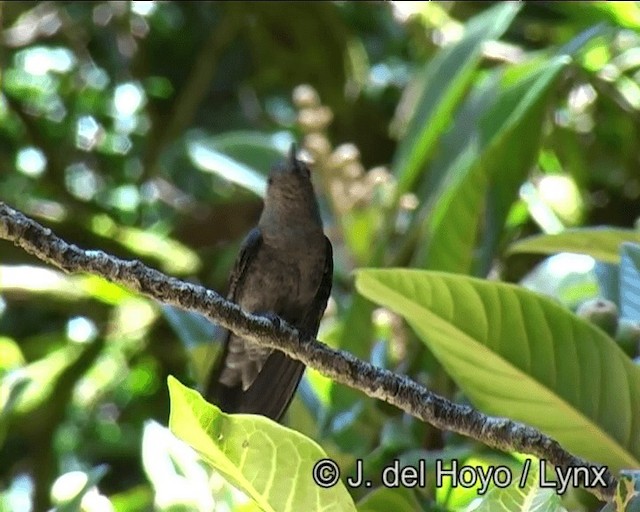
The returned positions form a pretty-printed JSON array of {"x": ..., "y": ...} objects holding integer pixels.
[{"x": 398, "y": 390}]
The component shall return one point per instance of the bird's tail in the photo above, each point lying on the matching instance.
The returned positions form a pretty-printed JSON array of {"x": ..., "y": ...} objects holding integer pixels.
[{"x": 269, "y": 394}]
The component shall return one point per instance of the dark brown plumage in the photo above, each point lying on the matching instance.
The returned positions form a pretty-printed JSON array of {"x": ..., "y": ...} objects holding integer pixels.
[{"x": 284, "y": 268}]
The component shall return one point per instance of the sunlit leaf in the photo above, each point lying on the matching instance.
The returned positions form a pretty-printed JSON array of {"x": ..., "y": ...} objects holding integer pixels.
[
  {"x": 623, "y": 14},
  {"x": 102, "y": 290},
  {"x": 521, "y": 355},
  {"x": 174, "y": 472},
  {"x": 454, "y": 496},
  {"x": 255, "y": 149},
  {"x": 441, "y": 87},
  {"x": 38, "y": 279},
  {"x": 270, "y": 463},
  {"x": 64, "y": 287},
  {"x": 133, "y": 316},
  {"x": 527, "y": 495},
  {"x": 41, "y": 376},
  {"x": 174, "y": 257},
  {"x": 541, "y": 212},
  {"x": 498, "y": 151},
  {"x": 207, "y": 157},
  {"x": 600, "y": 243},
  {"x": 52, "y": 374},
  {"x": 69, "y": 489},
  {"x": 10, "y": 354},
  {"x": 134, "y": 499}
]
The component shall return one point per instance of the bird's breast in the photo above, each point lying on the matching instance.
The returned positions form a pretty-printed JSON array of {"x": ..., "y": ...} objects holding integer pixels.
[{"x": 282, "y": 281}]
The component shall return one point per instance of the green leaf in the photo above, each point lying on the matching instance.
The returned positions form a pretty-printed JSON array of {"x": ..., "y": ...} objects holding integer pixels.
[
  {"x": 270, "y": 463},
  {"x": 255, "y": 149},
  {"x": 454, "y": 496},
  {"x": 522, "y": 497},
  {"x": 627, "y": 495},
  {"x": 355, "y": 335},
  {"x": 623, "y": 14},
  {"x": 61, "y": 287},
  {"x": 10, "y": 394},
  {"x": 384, "y": 499},
  {"x": 492, "y": 162},
  {"x": 207, "y": 157},
  {"x": 359, "y": 227},
  {"x": 37, "y": 380},
  {"x": 10, "y": 355},
  {"x": 602, "y": 244},
  {"x": 521, "y": 355},
  {"x": 173, "y": 257},
  {"x": 442, "y": 86}
]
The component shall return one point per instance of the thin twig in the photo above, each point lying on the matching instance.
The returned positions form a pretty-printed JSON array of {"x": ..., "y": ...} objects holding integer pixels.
[{"x": 398, "y": 390}]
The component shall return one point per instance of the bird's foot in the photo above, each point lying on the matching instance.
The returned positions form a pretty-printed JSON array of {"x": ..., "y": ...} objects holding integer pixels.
[{"x": 273, "y": 318}]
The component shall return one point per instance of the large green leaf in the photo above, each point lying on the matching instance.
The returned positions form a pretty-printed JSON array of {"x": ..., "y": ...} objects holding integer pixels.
[
  {"x": 500, "y": 149},
  {"x": 602, "y": 244},
  {"x": 521, "y": 355},
  {"x": 270, "y": 463},
  {"x": 442, "y": 86}
]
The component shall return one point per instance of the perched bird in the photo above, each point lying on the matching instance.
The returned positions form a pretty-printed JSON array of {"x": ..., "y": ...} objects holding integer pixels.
[{"x": 284, "y": 268}]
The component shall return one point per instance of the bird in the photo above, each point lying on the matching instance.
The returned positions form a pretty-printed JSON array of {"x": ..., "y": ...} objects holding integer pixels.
[{"x": 284, "y": 269}]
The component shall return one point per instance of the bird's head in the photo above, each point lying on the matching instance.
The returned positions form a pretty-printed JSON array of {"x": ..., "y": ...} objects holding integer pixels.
[{"x": 290, "y": 196}]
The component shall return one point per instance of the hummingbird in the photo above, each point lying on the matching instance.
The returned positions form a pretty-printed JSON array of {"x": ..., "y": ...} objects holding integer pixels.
[{"x": 285, "y": 270}]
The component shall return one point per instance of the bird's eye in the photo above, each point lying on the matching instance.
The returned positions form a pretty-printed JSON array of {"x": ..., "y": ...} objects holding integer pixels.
[{"x": 269, "y": 180}]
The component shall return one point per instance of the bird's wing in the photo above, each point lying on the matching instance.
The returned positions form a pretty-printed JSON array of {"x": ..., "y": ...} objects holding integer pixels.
[
  {"x": 248, "y": 250},
  {"x": 276, "y": 383},
  {"x": 311, "y": 322}
]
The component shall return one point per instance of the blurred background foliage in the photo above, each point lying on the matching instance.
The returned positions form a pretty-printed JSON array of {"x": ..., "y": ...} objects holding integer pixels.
[{"x": 145, "y": 129}]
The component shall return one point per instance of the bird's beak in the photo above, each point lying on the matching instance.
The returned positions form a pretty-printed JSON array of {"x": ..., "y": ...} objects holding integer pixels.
[{"x": 293, "y": 161}]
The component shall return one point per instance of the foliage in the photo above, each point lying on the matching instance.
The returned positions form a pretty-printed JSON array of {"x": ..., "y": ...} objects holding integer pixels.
[{"x": 486, "y": 141}]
